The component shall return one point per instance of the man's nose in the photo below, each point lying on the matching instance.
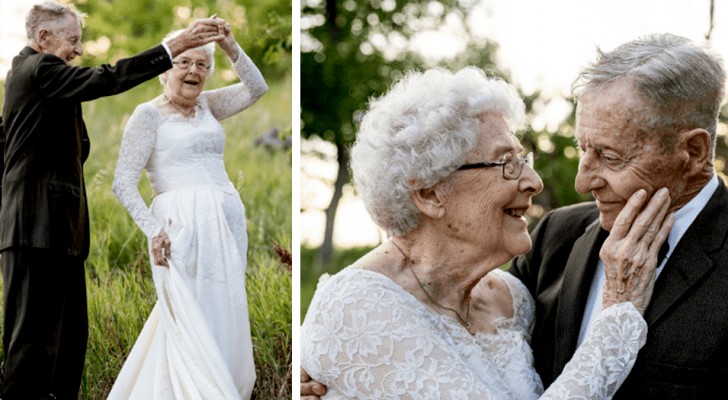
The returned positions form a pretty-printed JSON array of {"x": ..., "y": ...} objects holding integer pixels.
[{"x": 587, "y": 178}]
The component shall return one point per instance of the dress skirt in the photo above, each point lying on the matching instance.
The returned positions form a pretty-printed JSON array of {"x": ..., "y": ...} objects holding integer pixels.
[{"x": 196, "y": 343}]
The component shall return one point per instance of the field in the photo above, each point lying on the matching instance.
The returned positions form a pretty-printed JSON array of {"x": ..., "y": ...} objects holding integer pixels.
[{"x": 119, "y": 283}]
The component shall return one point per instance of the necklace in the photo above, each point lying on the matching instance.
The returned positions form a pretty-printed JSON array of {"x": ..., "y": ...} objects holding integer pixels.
[
  {"x": 185, "y": 114},
  {"x": 465, "y": 321}
]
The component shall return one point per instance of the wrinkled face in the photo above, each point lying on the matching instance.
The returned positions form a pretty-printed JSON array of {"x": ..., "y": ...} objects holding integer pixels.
[
  {"x": 61, "y": 38},
  {"x": 618, "y": 157},
  {"x": 482, "y": 206},
  {"x": 188, "y": 75}
]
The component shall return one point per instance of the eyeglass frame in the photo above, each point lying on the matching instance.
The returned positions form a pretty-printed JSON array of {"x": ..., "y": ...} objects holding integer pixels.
[
  {"x": 190, "y": 63},
  {"x": 520, "y": 162}
]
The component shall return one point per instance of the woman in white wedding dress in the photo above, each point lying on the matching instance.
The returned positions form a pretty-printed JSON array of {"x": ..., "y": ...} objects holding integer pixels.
[
  {"x": 428, "y": 314},
  {"x": 196, "y": 343}
]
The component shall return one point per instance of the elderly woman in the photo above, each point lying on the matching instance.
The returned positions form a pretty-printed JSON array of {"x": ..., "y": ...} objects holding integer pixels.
[
  {"x": 196, "y": 342},
  {"x": 429, "y": 314}
]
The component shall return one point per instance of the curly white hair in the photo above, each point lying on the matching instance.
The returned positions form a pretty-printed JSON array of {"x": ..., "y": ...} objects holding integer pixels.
[{"x": 419, "y": 133}]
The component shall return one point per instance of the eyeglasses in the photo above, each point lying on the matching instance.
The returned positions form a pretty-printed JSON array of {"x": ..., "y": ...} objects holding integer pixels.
[
  {"x": 186, "y": 64},
  {"x": 512, "y": 165}
]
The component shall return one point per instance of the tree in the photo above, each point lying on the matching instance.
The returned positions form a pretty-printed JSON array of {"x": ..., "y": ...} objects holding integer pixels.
[{"x": 353, "y": 50}]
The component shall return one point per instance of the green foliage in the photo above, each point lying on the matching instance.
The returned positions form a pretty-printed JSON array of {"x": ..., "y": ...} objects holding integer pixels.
[
  {"x": 119, "y": 29},
  {"x": 352, "y": 51}
]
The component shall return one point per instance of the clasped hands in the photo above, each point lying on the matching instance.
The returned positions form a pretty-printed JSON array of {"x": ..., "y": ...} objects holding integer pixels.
[
  {"x": 630, "y": 252},
  {"x": 202, "y": 32}
]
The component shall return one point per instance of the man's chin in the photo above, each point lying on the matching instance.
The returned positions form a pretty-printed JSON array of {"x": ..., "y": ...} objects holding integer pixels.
[{"x": 606, "y": 221}]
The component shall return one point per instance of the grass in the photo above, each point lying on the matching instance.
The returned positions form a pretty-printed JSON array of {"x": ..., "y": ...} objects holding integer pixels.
[{"x": 119, "y": 284}]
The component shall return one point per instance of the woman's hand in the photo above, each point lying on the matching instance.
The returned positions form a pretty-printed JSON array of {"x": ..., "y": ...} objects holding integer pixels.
[
  {"x": 630, "y": 252},
  {"x": 228, "y": 43},
  {"x": 161, "y": 248},
  {"x": 311, "y": 389}
]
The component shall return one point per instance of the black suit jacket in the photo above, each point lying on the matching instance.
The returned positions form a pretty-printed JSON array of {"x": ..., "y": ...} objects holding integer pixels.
[
  {"x": 686, "y": 355},
  {"x": 45, "y": 145}
]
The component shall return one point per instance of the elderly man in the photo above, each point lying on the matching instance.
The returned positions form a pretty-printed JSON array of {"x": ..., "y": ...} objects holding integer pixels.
[
  {"x": 646, "y": 118},
  {"x": 44, "y": 235}
]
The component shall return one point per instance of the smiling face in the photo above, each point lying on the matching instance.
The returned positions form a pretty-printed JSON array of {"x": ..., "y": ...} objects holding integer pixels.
[
  {"x": 482, "y": 206},
  {"x": 61, "y": 38},
  {"x": 618, "y": 156},
  {"x": 187, "y": 84}
]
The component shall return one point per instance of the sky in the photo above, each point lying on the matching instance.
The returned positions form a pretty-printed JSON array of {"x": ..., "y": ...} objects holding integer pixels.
[{"x": 12, "y": 30}]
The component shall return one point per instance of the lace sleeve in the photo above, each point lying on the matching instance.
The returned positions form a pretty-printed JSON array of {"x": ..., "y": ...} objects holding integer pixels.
[
  {"x": 605, "y": 358},
  {"x": 365, "y": 338},
  {"x": 230, "y": 100},
  {"x": 137, "y": 145}
]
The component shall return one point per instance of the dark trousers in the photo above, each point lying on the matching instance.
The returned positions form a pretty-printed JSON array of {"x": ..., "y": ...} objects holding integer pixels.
[{"x": 45, "y": 328}]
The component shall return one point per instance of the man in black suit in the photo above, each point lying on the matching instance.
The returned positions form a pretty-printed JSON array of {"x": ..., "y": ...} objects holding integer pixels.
[
  {"x": 647, "y": 117},
  {"x": 44, "y": 226}
]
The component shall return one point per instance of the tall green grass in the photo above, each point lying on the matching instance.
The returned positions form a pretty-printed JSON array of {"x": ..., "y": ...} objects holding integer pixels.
[{"x": 119, "y": 284}]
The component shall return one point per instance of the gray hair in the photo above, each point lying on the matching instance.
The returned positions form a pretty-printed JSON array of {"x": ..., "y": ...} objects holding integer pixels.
[
  {"x": 419, "y": 133},
  {"x": 683, "y": 83},
  {"x": 209, "y": 50},
  {"x": 49, "y": 11}
]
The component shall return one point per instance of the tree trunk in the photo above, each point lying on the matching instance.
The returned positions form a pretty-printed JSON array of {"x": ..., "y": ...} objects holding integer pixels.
[{"x": 324, "y": 253}]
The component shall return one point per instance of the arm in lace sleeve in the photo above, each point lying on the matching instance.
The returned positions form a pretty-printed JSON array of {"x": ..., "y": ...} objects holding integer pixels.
[
  {"x": 605, "y": 358},
  {"x": 365, "y": 338},
  {"x": 230, "y": 100},
  {"x": 137, "y": 145}
]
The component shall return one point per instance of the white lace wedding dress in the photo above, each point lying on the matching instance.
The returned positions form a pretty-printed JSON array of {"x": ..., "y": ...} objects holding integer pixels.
[
  {"x": 196, "y": 343},
  {"x": 366, "y": 338}
]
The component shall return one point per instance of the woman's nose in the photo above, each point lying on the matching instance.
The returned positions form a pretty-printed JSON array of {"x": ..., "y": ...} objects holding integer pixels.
[{"x": 530, "y": 180}]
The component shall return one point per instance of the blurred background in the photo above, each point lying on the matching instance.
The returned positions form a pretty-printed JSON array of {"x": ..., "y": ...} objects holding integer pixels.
[
  {"x": 258, "y": 159},
  {"x": 353, "y": 50}
]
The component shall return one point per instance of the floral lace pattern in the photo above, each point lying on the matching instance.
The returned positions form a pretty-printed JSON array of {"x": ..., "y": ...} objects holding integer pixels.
[
  {"x": 197, "y": 342},
  {"x": 179, "y": 152},
  {"x": 365, "y": 337}
]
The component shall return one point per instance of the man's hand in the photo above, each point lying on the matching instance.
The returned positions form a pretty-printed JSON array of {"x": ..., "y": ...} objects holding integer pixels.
[
  {"x": 161, "y": 249},
  {"x": 200, "y": 33},
  {"x": 630, "y": 252},
  {"x": 310, "y": 389}
]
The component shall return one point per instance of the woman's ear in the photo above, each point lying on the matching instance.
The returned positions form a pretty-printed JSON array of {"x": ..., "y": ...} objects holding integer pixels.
[
  {"x": 695, "y": 145},
  {"x": 430, "y": 201}
]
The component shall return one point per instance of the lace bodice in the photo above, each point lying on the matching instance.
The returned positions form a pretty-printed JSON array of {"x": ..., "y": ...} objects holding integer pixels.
[
  {"x": 365, "y": 337},
  {"x": 179, "y": 152}
]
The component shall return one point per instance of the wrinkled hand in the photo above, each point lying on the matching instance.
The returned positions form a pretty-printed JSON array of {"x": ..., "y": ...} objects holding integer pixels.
[
  {"x": 200, "y": 33},
  {"x": 630, "y": 252},
  {"x": 161, "y": 249},
  {"x": 311, "y": 389},
  {"x": 228, "y": 43}
]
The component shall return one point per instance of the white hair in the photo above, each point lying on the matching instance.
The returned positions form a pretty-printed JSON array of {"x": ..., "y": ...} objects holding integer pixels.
[
  {"x": 46, "y": 12},
  {"x": 684, "y": 83},
  {"x": 419, "y": 133},
  {"x": 209, "y": 50}
]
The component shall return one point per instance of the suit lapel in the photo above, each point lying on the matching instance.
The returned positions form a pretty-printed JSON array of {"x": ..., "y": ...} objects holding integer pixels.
[
  {"x": 692, "y": 256},
  {"x": 578, "y": 274}
]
